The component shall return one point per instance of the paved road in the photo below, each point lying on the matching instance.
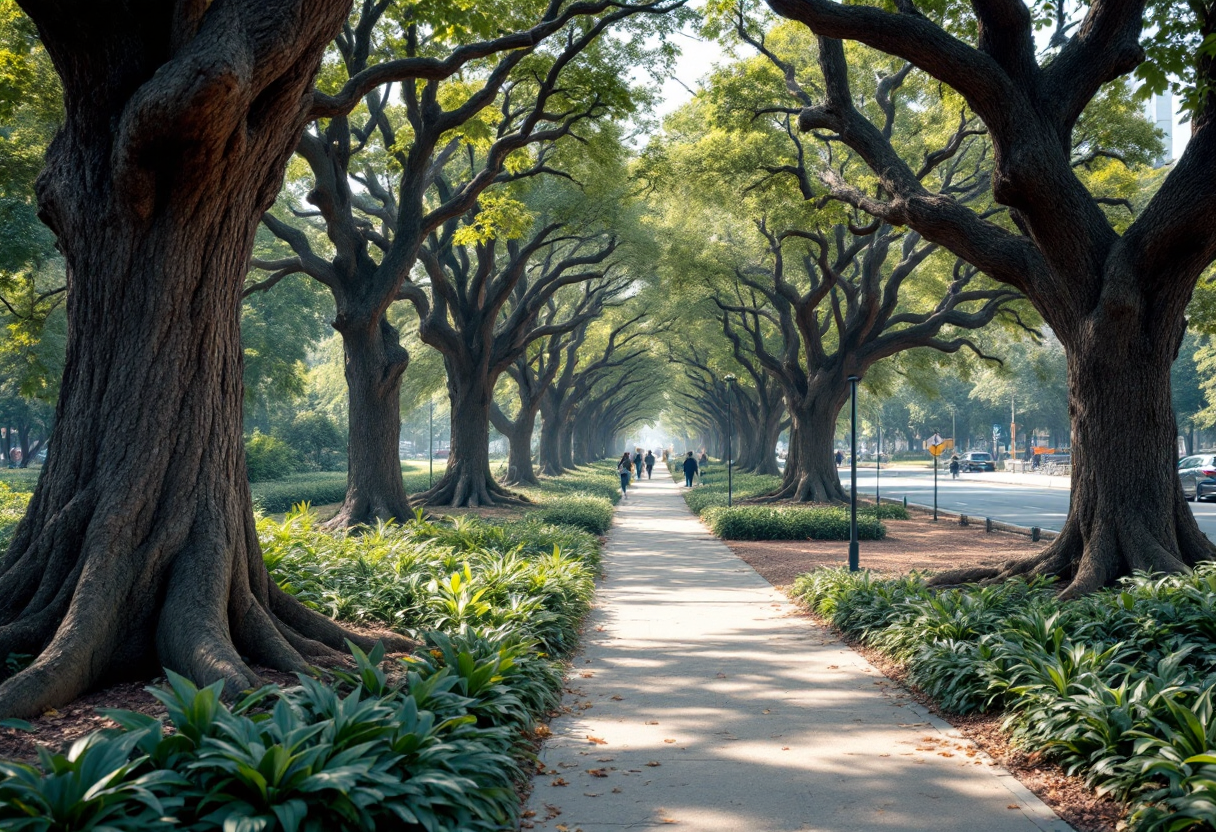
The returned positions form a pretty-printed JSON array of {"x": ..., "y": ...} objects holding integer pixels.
[
  {"x": 704, "y": 700},
  {"x": 977, "y": 496}
]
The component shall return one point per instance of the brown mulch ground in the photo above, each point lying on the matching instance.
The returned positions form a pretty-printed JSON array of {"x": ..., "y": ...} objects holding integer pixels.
[{"x": 921, "y": 544}]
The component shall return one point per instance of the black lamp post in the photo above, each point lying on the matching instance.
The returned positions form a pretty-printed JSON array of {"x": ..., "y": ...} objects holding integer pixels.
[
  {"x": 853, "y": 547},
  {"x": 729, "y": 378},
  {"x": 431, "y": 444}
]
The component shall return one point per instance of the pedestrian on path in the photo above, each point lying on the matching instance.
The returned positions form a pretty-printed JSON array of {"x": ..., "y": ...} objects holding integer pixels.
[
  {"x": 839, "y": 459},
  {"x": 637, "y": 463},
  {"x": 649, "y": 463},
  {"x": 954, "y": 467},
  {"x": 625, "y": 469},
  {"x": 690, "y": 470}
]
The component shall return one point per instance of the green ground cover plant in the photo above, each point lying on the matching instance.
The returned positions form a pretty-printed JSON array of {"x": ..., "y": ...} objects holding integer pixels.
[
  {"x": 435, "y": 741},
  {"x": 1117, "y": 686},
  {"x": 20, "y": 479},
  {"x": 781, "y": 522},
  {"x": 12, "y": 508}
]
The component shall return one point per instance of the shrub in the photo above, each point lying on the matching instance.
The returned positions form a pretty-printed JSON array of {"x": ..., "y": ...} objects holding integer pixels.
[
  {"x": 1117, "y": 687},
  {"x": 712, "y": 490},
  {"x": 12, "y": 509},
  {"x": 268, "y": 458},
  {"x": 433, "y": 743},
  {"x": 592, "y": 514},
  {"x": 318, "y": 489},
  {"x": 318, "y": 441},
  {"x": 790, "y": 523}
]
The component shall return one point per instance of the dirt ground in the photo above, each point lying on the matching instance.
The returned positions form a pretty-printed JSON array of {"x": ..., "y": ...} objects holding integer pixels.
[{"x": 921, "y": 544}]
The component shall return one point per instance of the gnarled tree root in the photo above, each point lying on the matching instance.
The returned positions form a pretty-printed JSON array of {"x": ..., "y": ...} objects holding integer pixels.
[
  {"x": 1116, "y": 548},
  {"x": 470, "y": 490}
]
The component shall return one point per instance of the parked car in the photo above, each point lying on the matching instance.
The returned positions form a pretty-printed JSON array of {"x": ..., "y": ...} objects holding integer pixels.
[
  {"x": 976, "y": 461},
  {"x": 1198, "y": 475}
]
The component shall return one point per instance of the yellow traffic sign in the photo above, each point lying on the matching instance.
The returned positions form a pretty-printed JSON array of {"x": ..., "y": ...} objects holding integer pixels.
[{"x": 937, "y": 450}]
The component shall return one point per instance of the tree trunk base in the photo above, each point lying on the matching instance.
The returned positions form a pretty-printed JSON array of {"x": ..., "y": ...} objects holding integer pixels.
[
  {"x": 807, "y": 488},
  {"x": 470, "y": 491},
  {"x": 201, "y": 628},
  {"x": 1116, "y": 548}
]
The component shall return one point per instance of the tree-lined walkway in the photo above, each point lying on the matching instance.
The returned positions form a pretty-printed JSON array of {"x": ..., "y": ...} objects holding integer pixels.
[{"x": 704, "y": 699}]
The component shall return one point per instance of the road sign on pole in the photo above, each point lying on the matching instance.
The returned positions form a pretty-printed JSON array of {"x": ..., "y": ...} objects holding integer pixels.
[{"x": 996, "y": 431}]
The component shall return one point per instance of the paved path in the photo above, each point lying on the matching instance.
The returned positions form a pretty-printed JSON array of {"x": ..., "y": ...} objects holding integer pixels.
[{"x": 704, "y": 700}]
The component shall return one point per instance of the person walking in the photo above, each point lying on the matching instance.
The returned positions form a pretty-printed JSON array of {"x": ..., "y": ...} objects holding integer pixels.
[
  {"x": 637, "y": 463},
  {"x": 690, "y": 470},
  {"x": 839, "y": 459},
  {"x": 649, "y": 460},
  {"x": 954, "y": 467},
  {"x": 625, "y": 469}
]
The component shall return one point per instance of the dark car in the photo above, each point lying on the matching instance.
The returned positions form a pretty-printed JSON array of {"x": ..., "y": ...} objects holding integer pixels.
[
  {"x": 1198, "y": 475},
  {"x": 976, "y": 461}
]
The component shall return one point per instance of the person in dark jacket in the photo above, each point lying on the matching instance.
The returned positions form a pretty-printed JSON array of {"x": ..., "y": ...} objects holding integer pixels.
[
  {"x": 839, "y": 458},
  {"x": 637, "y": 463},
  {"x": 954, "y": 466},
  {"x": 690, "y": 470},
  {"x": 649, "y": 460}
]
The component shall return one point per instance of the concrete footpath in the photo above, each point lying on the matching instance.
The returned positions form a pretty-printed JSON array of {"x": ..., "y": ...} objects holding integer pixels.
[{"x": 702, "y": 699}]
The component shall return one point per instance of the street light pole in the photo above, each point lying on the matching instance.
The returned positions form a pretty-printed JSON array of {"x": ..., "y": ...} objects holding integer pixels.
[
  {"x": 878, "y": 472},
  {"x": 431, "y": 443},
  {"x": 853, "y": 547},
  {"x": 729, "y": 378}
]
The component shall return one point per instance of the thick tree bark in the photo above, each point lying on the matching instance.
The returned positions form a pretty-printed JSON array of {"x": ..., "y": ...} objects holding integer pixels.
[
  {"x": 374, "y": 364},
  {"x": 519, "y": 440},
  {"x": 549, "y": 455},
  {"x": 810, "y": 468},
  {"x": 468, "y": 480},
  {"x": 141, "y": 552},
  {"x": 1127, "y": 512}
]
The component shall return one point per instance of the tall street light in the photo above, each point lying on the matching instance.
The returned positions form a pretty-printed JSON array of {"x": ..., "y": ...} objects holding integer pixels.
[
  {"x": 729, "y": 378},
  {"x": 431, "y": 443},
  {"x": 853, "y": 547}
]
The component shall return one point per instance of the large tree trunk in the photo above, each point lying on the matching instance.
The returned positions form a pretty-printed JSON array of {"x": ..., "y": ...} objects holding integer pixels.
[
  {"x": 138, "y": 549},
  {"x": 519, "y": 440},
  {"x": 1127, "y": 511},
  {"x": 810, "y": 468},
  {"x": 549, "y": 454},
  {"x": 767, "y": 434},
  {"x": 375, "y": 362},
  {"x": 468, "y": 480}
]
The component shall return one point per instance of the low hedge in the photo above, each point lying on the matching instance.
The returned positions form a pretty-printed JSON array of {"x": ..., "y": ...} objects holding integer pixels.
[
  {"x": 592, "y": 514},
  {"x": 712, "y": 490},
  {"x": 791, "y": 523},
  {"x": 12, "y": 509},
  {"x": 318, "y": 489}
]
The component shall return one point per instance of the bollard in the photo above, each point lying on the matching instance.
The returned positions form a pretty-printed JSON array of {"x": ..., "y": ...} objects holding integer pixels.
[
  {"x": 1034, "y": 533},
  {"x": 988, "y": 525}
]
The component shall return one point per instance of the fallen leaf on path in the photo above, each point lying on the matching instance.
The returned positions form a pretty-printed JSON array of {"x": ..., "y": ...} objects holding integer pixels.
[
  {"x": 945, "y": 754},
  {"x": 654, "y": 763},
  {"x": 785, "y": 748},
  {"x": 1013, "y": 806},
  {"x": 604, "y": 759},
  {"x": 766, "y": 711},
  {"x": 559, "y": 781},
  {"x": 596, "y": 740},
  {"x": 586, "y": 675},
  {"x": 668, "y": 740},
  {"x": 597, "y": 772},
  {"x": 542, "y": 731},
  {"x": 552, "y": 811},
  {"x": 617, "y": 790},
  {"x": 833, "y": 667},
  {"x": 592, "y": 794},
  {"x": 651, "y": 722},
  {"x": 531, "y": 813},
  {"x": 617, "y": 698}
]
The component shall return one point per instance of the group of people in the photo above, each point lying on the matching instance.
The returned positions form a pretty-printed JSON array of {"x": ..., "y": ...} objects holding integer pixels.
[{"x": 631, "y": 466}]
